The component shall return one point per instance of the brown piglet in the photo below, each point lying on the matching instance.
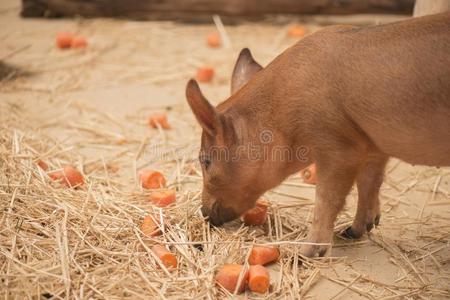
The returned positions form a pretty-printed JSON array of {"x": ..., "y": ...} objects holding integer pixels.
[{"x": 346, "y": 98}]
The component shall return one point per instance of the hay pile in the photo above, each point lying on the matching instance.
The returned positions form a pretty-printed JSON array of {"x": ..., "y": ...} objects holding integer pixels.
[{"x": 86, "y": 242}]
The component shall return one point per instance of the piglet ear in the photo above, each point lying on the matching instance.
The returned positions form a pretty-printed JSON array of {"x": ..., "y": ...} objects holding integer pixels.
[
  {"x": 204, "y": 112},
  {"x": 244, "y": 69}
]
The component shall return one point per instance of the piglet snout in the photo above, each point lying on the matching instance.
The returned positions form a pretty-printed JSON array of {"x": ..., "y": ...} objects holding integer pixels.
[{"x": 218, "y": 215}]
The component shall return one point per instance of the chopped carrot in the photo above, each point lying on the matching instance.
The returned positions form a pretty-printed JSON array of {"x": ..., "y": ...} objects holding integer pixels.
[
  {"x": 205, "y": 74},
  {"x": 69, "y": 176},
  {"x": 168, "y": 259},
  {"x": 151, "y": 179},
  {"x": 42, "y": 164},
  {"x": 297, "y": 31},
  {"x": 213, "y": 39},
  {"x": 150, "y": 226},
  {"x": 64, "y": 40},
  {"x": 158, "y": 119},
  {"x": 258, "y": 214},
  {"x": 78, "y": 42},
  {"x": 72, "y": 177},
  {"x": 262, "y": 255},
  {"x": 228, "y": 276},
  {"x": 258, "y": 279},
  {"x": 163, "y": 198},
  {"x": 309, "y": 174}
]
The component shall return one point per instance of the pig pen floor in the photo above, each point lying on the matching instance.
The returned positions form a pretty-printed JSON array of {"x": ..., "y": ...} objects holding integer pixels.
[{"x": 90, "y": 108}]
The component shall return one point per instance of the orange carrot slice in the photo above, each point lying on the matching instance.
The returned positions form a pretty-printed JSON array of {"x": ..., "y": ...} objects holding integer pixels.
[
  {"x": 205, "y": 74},
  {"x": 309, "y": 174},
  {"x": 158, "y": 119},
  {"x": 42, "y": 164},
  {"x": 297, "y": 31},
  {"x": 262, "y": 255},
  {"x": 258, "y": 214},
  {"x": 151, "y": 179},
  {"x": 72, "y": 177},
  {"x": 258, "y": 279},
  {"x": 150, "y": 226},
  {"x": 69, "y": 176},
  {"x": 64, "y": 40},
  {"x": 228, "y": 276},
  {"x": 167, "y": 258},
  {"x": 213, "y": 40},
  {"x": 163, "y": 198},
  {"x": 78, "y": 42}
]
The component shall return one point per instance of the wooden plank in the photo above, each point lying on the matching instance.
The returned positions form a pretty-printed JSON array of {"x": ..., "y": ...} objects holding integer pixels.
[{"x": 144, "y": 9}]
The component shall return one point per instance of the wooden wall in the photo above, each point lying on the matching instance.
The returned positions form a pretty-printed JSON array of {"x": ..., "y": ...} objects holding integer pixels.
[{"x": 167, "y": 9}]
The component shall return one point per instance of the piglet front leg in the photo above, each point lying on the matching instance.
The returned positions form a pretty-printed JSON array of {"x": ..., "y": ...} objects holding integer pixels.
[{"x": 335, "y": 178}]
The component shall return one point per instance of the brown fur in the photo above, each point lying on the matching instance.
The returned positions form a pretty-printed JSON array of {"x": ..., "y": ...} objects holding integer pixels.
[{"x": 353, "y": 97}]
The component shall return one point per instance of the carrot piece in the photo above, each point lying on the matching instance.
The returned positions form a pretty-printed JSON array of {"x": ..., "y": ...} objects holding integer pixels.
[
  {"x": 258, "y": 279},
  {"x": 205, "y": 74},
  {"x": 297, "y": 31},
  {"x": 151, "y": 179},
  {"x": 69, "y": 176},
  {"x": 72, "y": 177},
  {"x": 163, "y": 198},
  {"x": 309, "y": 174},
  {"x": 262, "y": 255},
  {"x": 64, "y": 40},
  {"x": 168, "y": 259},
  {"x": 42, "y": 164},
  {"x": 158, "y": 119},
  {"x": 258, "y": 214},
  {"x": 150, "y": 226},
  {"x": 213, "y": 39},
  {"x": 78, "y": 42},
  {"x": 228, "y": 276}
]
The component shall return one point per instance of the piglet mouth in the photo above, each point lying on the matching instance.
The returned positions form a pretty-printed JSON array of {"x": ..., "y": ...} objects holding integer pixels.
[{"x": 218, "y": 215}]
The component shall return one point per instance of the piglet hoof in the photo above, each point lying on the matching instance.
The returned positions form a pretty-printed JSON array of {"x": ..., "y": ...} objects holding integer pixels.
[{"x": 350, "y": 234}]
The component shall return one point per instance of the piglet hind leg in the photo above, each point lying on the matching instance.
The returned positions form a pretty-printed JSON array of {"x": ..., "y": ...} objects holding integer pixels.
[
  {"x": 368, "y": 181},
  {"x": 335, "y": 178}
]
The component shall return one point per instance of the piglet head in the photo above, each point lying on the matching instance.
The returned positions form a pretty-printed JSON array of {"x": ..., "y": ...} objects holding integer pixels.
[{"x": 231, "y": 178}]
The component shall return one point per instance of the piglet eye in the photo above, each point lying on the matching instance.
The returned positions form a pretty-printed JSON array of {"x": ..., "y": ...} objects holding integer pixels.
[{"x": 206, "y": 161}]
